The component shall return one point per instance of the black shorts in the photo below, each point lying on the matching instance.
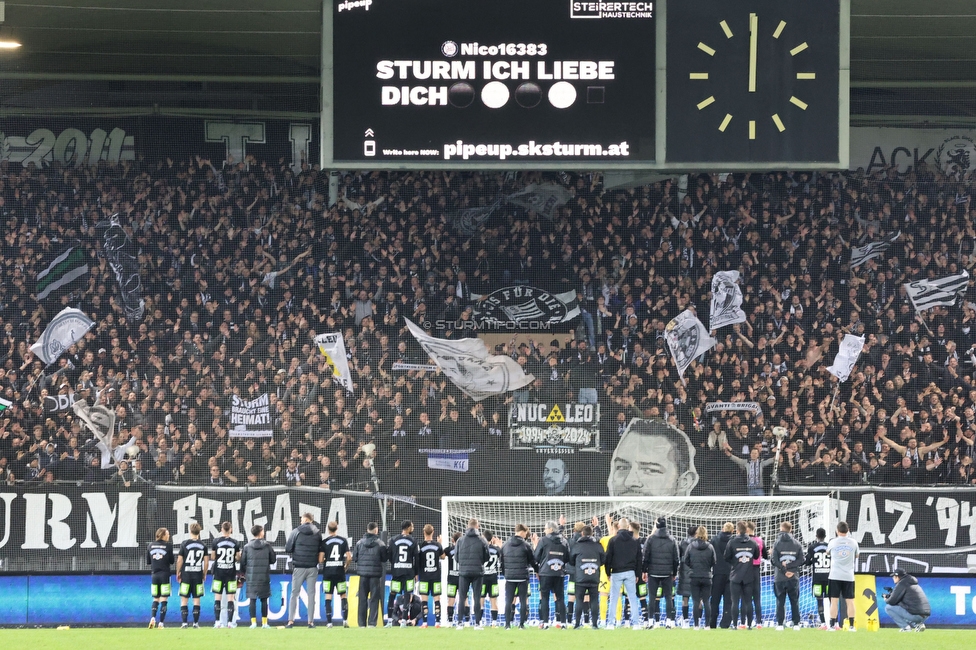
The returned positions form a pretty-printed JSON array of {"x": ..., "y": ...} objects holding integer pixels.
[
  {"x": 819, "y": 586},
  {"x": 429, "y": 586},
  {"x": 489, "y": 586},
  {"x": 224, "y": 581},
  {"x": 334, "y": 582},
  {"x": 160, "y": 587},
  {"x": 401, "y": 584},
  {"x": 191, "y": 587},
  {"x": 840, "y": 589}
]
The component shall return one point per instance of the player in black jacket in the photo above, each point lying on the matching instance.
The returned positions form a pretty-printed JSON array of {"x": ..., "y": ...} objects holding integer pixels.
[
  {"x": 586, "y": 558},
  {"x": 191, "y": 570},
  {"x": 740, "y": 554},
  {"x": 516, "y": 560},
  {"x": 403, "y": 566},
  {"x": 551, "y": 555},
  {"x": 429, "y": 581},
  {"x": 225, "y": 553},
  {"x": 661, "y": 560},
  {"x": 721, "y": 589},
  {"x": 159, "y": 557},
  {"x": 817, "y": 558}
]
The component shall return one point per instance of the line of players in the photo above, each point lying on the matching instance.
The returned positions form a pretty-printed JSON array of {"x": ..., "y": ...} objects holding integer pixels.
[
  {"x": 225, "y": 554},
  {"x": 417, "y": 564}
]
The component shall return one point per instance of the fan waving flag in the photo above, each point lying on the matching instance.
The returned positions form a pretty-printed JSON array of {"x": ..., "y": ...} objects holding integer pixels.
[
  {"x": 334, "y": 350},
  {"x": 875, "y": 249},
  {"x": 926, "y": 294},
  {"x": 687, "y": 338},
  {"x": 847, "y": 355},
  {"x": 468, "y": 365},
  {"x": 544, "y": 199},
  {"x": 69, "y": 265},
  {"x": 64, "y": 330},
  {"x": 726, "y": 306}
]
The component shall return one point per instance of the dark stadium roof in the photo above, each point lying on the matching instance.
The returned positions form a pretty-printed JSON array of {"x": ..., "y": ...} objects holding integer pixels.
[{"x": 907, "y": 57}]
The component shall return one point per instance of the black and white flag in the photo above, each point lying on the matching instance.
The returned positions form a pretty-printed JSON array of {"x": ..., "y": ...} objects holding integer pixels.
[
  {"x": 544, "y": 199},
  {"x": 687, "y": 338},
  {"x": 67, "y": 328},
  {"x": 847, "y": 355},
  {"x": 926, "y": 294},
  {"x": 726, "y": 306},
  {"x": 123, "y": 257},
  {"x": 470, "y": 220},
  {"x": 470, "y": 367},
  {"x": 875, "y": 249}
]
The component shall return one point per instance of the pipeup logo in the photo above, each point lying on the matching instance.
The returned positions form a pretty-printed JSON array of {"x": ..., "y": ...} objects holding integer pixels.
[{"x": 354, "y": 4}]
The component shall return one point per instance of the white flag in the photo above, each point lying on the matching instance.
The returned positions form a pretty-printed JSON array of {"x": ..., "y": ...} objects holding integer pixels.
[
  {"x": 64, "y": 330},
  {"x": 687, "y": 338},
  {"x": 850, "y": 350},
  {"x": 875, "y": 249},
  {"x": 726, "y": 306},
  {"x": 926, "y": 294},
  {"x": 544, "y": 199},
  {"x": 468, "y": 365},
  {"x": 334, "y": 350}
]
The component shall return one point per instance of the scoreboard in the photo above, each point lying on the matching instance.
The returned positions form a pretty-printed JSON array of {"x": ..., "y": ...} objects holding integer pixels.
[{"x": 563, "y": 84}]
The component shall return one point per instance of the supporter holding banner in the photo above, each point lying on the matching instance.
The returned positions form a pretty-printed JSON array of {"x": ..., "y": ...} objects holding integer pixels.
[
  {"x": 250, "y": 419},
  {"x": 753, "y": 407},
  {"x": 334, "y": 350}
]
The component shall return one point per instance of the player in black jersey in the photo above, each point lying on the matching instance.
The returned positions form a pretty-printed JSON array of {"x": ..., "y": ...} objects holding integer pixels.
[
  {"x": 489, "y": 586},
  {"x": 159, "y": 556},
  {"x": 429, "y": 581},
  {"x": 191, "y": 569},
  {"x": 817, "y": 558},
  {"x": 334, "y": 556},
  {"x": 403, "y": 566},
  {"x": 453, "y": 575},
  {"x": 225, "y": 552}
]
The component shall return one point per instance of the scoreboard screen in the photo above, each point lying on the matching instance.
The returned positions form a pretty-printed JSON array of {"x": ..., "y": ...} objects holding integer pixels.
[{"x": 536, "y": 83}]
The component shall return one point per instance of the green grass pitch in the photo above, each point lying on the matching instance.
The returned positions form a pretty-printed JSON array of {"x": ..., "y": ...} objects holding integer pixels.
[{"x": 211, "y": 639}]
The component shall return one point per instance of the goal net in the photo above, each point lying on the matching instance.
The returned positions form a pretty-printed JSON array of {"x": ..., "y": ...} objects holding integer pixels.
[{"x": 501, "y": 514}]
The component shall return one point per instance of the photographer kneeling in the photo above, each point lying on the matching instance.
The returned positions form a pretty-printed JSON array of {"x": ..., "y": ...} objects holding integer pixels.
[{"x": 907, "y": 604}]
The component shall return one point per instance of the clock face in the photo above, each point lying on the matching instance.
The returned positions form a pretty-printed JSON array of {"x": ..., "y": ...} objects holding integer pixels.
[{"x": 754, "y": 81}]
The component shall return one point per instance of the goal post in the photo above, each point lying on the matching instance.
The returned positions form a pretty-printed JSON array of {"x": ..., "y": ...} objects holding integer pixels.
[{"x": 806, "y": 513}]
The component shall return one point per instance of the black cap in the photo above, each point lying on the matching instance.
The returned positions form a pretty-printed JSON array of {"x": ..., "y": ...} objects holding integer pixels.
[
  {"x": 899, "y": 573},
  {"x": 662, "y": 522}
]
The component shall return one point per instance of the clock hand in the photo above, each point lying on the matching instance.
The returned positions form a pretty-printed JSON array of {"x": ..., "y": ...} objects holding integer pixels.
[{"x": 753, "y": 46}]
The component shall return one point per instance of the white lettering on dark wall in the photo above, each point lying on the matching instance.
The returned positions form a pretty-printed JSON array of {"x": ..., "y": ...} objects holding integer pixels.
[{"x": 41, "y": 147}]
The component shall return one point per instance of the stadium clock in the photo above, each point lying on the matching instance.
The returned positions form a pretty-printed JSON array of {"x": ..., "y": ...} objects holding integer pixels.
[{"x": 754, "y": 80}]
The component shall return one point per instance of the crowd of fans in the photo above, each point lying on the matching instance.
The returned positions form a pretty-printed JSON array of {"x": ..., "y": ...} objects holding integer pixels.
[{"x": 244, "y": 262}]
